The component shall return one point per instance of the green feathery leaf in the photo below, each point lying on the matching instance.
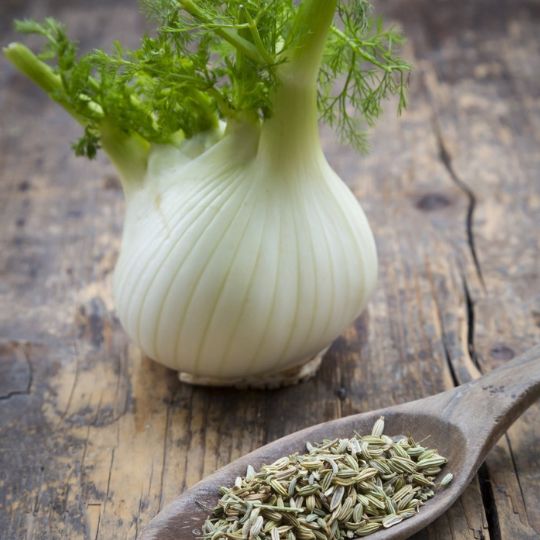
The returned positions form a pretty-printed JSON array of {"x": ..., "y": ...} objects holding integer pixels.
[{"x": 210, "y": 60}]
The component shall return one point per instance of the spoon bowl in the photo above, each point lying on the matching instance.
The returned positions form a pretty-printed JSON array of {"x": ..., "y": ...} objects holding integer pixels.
[{"x": 463, "y": 424}]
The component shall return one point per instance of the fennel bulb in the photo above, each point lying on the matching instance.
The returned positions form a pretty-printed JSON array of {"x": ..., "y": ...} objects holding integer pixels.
[{"x": 244, "y": 255}]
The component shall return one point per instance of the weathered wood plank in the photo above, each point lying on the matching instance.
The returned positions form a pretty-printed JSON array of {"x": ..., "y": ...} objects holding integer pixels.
[
  {"x": 485, "y": 111},
  {"x": 94, "y": 439}
]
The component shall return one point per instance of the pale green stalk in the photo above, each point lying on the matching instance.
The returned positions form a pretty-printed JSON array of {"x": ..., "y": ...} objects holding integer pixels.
[
  {"x": 292, "y": 132},
  {"x": 129, "y": 153}
]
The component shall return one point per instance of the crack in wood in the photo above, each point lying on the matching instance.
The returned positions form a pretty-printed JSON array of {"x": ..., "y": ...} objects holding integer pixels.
[
  {"x": 486, "y": 489},
  {"x": 164, "y": 455},
  {"x": 488, "y": 498},
  {"x": 77, "y": 355},
  {"x": 138, "y": 516},
  {"x": 514, "y": 465},
  {"x": 14, "y": 393},
  {"x": 446, "y": 160},
  {"x": 189, "y": 436},
  {"x": 447, "y": 356},
  {"x": 28, "y": 390},
  {"x": 469, "y": 302}
]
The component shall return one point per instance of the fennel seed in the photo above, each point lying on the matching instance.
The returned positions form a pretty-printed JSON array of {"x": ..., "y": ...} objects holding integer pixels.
[
  {"x": 339, "y": 489},
  {"x": 446, "y": 480}
]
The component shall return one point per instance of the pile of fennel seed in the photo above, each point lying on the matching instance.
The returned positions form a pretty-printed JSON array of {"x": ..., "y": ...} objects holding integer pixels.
[{"x": 339, "y": 489}]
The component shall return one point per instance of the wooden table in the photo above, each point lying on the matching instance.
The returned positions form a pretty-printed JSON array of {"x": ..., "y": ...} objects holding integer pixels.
[{"x": 95, "y": 438}]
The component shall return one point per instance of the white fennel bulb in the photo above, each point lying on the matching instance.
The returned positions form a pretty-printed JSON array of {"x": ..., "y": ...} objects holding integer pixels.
[
  {"x": 231, "y": 270},
  {"x": 244, "y": 255}
]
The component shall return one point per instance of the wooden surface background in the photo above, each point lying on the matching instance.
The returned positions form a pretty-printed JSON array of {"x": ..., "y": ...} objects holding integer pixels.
[{"x": 95, "y": 438}]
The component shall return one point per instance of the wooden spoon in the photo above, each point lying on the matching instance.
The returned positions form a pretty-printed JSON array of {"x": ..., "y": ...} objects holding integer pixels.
[{"x": 463, "y": 423}]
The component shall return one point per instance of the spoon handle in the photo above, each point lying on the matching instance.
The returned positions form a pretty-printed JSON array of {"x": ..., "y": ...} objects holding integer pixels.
[{"x": 485, "y": 408}]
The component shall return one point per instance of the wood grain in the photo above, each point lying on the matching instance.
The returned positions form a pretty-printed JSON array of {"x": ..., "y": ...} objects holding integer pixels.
[
  {"x": 95, "y": 439},
  {"x": 444, "y": 419}
]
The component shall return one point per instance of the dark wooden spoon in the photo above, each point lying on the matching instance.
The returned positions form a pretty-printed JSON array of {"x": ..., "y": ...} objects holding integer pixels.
[{"x": 463, "y": 423}]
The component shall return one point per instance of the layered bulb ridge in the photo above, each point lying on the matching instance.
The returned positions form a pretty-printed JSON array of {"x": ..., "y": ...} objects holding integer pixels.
[{"x": 239, "y": 263}]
